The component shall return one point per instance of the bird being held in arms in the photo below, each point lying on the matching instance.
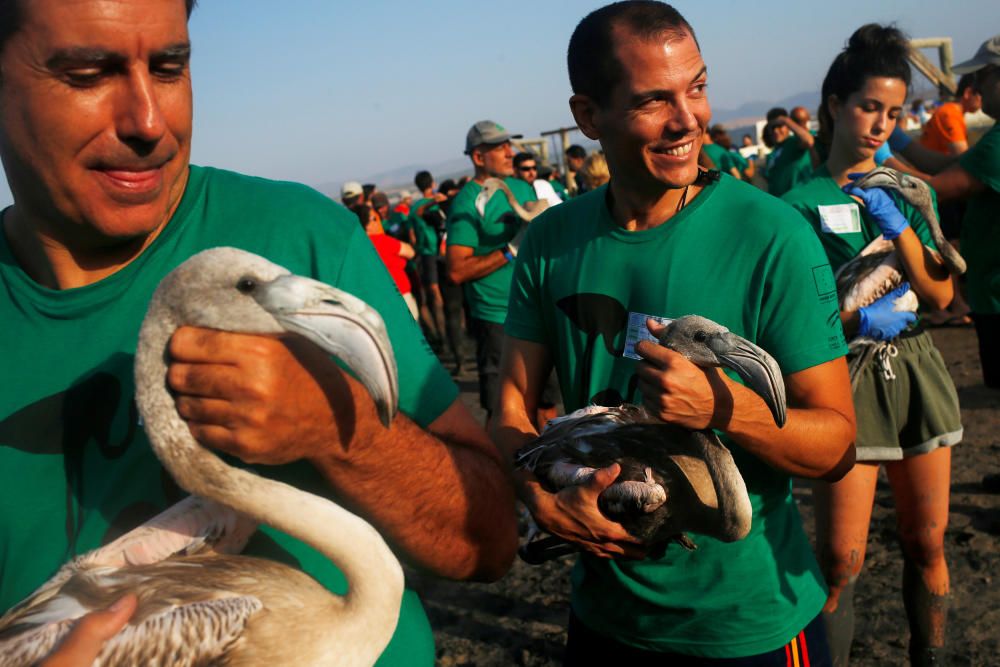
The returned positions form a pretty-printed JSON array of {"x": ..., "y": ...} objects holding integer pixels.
[
  {"x": 196, "y": 605},
  {"x": 672, "y": 480},
  {"x": 874, "y": 283}
]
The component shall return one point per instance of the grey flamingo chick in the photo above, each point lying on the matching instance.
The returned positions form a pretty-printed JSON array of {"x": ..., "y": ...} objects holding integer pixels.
[
  {"x": 197, "y": 606},
  {"x": 491, "y": 186},
  {"x": 876, "y": 270},
  {"x": 672, "y": 480}
]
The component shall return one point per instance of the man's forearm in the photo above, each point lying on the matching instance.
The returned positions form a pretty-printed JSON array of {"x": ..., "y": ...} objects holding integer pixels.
[
  {"x": 445, "y": 502},
  {"x": 815, "y": 442},
  {"x": 475, "y": 267}
]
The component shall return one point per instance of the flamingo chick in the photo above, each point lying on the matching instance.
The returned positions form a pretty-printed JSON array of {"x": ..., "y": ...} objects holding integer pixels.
[
  {"x": 197, "y": 606},
  {"x": 672, "y": 479}
]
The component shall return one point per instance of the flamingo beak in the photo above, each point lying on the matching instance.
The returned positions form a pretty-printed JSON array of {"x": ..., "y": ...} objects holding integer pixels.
[
  {"x": 756, "y": 368},
  {"x": 342, "y": 325}
]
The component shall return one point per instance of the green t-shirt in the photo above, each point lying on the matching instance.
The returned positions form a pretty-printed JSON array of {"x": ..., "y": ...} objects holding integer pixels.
[
  {"x": 747, "y": 261},
  {"x": 559, "y": 188},
  {"x": 981, "y": 225},
  {"x": 487, "y": 296},
  {"x": 789, "y": 166},
  {"x": 845, "y": 232},
  {"x": 397, "y": 226},
  {"x": 76, "y": 469},
  {"x": 721, "y": 157},
  {"x": 427, "y": 237}
]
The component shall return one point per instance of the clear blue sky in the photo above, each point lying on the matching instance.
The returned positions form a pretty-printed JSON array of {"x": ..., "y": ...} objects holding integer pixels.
[{"x": 318, "y": 91}]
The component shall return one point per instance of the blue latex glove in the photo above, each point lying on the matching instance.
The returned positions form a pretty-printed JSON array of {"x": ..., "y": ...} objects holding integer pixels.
[
  {"x": 880, "y": 321},
  {"x": 899, "y": 140},
  {"x": 881, "y": 207}
]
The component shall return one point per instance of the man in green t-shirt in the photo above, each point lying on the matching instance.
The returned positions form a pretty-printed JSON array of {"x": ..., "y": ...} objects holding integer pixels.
[
  {"x": 664, "y": 240},
  {"x": 426, "y": 217},
  {"x": 482, "y": 243},
  {"x": 723, "y": 160},
  {"x": 95, "y": 130},
  {"x": 794, "y": 156}
]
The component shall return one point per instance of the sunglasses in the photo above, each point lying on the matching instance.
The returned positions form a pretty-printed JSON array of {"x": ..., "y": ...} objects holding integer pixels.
[{"x": 531, "y": 168}]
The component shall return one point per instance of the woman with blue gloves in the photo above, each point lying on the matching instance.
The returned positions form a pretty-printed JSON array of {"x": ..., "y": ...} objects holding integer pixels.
[{"x": 906, "y": 404}]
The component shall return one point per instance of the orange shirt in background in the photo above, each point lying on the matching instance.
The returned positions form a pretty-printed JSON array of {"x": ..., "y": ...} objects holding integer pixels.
[{"x": 946, "y": 126}]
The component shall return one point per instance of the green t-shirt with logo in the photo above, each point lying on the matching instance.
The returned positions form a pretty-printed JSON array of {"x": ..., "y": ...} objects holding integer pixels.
[
  {"x": 844, "y": 227},
  {"x": 789, "y": 166},
  {"x": 721, "y": 157},
  {"x": 748, "y": 262},
  {"x": 427, "y": 237},
  {"x": 981, "y": 225},
  {"x": 76, "y": 469},
  {"x": 487, "y": 296}
]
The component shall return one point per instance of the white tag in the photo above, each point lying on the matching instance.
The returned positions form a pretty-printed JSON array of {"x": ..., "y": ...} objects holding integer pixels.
[
  {"x": 638, "y": 331},
  {"x": 840, "y": 219}
]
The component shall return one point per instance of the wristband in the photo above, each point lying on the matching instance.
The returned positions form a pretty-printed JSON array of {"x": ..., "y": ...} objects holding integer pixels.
[{"x": 507, "y": 254}]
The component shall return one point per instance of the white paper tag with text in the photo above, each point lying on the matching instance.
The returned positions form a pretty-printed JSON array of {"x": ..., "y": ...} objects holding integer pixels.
[
  {"x": 840, "y": 219},
  {"x": 637, "y": 331}
]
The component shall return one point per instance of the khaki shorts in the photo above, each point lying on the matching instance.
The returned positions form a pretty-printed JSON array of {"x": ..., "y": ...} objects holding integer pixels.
[{"x": 912, "y": 414}]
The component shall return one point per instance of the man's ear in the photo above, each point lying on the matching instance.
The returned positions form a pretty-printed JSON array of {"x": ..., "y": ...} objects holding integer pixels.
[
  {"x": 477, "y": 158},
  {"x": 585, "y": 112}
]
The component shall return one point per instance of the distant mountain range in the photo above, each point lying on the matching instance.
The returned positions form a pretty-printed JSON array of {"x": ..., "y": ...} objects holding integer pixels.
[
  {"x": 746, "y": 114},
  {"x": 401, "y": 178}
]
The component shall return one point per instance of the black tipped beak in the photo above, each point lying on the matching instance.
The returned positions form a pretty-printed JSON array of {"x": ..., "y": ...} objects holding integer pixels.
[
  {"x": 757, "y": 369},
  {"x": 344, "y": 326}
]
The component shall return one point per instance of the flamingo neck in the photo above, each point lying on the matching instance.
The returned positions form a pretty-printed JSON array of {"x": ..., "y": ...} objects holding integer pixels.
[
  {"x": 373, "y": 574},
  {"x": 732, "y": 521}
]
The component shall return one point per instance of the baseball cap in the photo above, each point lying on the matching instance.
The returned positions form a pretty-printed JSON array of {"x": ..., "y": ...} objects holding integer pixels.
[
  {"x": 988, "y": 54},
  {"x": 351, "y": 189},
  {"x": 403, "y": 194},
  {"x": 487, "y": 132}
]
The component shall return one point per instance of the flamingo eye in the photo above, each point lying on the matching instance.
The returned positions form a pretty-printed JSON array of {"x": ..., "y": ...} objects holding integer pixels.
[
  {"x": 700, "y": 336},
  {"x": 246, "y": 285}
]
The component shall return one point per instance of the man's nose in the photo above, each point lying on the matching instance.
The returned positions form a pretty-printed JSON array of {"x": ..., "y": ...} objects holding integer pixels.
[{"x": 139, "y": 116}]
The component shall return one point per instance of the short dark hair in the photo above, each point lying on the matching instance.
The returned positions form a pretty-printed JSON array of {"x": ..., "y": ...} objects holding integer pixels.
[
  {"x": 423, "y": 180},
  {"x": 576, "y": 151},
  {"x": 775, "y": 113},
  {"x": 10, "y": 18},
  {"x": 873, "y": 50},
  {"x": 523, "y": 157},
  {"x": 593, "y": 67},
  {"x": 364, "y": 213},
  {"x": 966, "y": 81}
]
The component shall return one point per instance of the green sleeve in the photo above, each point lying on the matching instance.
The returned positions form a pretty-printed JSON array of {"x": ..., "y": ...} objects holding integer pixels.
[
  {"x": 425, "y": 388},
  {"x": 463, "y": 223},
  {"x": 983, "y": 159},
  {"x": 800, "y": 321},
  {"x": 524, "y": 310}
]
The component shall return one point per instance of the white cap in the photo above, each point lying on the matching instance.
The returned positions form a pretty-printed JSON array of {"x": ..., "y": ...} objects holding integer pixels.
[{"x": 351, "y": 189}]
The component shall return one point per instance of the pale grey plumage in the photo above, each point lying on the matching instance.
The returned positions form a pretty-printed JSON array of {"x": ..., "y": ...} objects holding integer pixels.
[
  {"x": 876, "y": 270},
  {"x": 241, "y": 610},
  {"x": 491, "y": 186}
]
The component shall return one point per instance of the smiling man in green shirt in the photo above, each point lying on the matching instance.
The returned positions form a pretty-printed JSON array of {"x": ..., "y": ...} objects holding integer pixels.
[
  {"x": 95, "y": 137},
  {"x": 663, "y": 239}
]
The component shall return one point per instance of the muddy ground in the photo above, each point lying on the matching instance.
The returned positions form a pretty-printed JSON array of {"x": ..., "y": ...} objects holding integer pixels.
[{"x": 521, "y": 619}]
